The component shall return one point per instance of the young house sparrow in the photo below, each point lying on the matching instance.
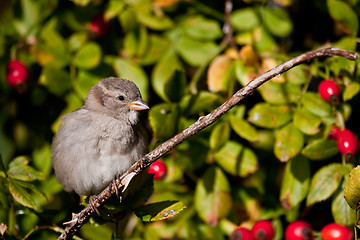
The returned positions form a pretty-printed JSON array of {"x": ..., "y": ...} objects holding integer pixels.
[{"x": 102, "y": 139}]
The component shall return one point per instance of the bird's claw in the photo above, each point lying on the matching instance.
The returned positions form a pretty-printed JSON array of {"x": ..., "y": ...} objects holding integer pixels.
[
  {"x": 92, "y": 204},
  {"x": 118, "y": 195},
  {"x": 73, "y": 220}
]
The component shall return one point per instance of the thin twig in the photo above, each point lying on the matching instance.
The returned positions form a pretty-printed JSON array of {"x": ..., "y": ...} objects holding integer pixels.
[
  {"x": 80, "y": 218},
  {"x": 227, "y": 28},
  {"x": 228, "y": 41}
]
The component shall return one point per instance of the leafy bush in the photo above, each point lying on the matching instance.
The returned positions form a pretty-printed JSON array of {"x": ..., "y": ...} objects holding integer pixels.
[{"x": 268, "y": 158}]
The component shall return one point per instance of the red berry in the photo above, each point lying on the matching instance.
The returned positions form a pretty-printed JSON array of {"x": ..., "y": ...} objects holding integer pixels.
[
  {"x": 329, "y": 91},
  {"x": 158, "y": 168},
  {"x": 241, "y": 233},
  {"x": 299, "y": 230},
  {"x": 334, "y": 133},
  {"x": 263, "y": 230},
  {"x": 16, "y": 73},
  {"x": 347, "y": 142},
  {"x": 334, "y": 231},
  {"x": 99, "y": 26}
]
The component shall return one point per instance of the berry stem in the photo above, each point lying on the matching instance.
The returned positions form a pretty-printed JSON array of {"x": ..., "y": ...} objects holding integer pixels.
[
  {"x": 343, "y": 159},
  {"x": 13, "y": 50},
  {"x": 339, "y": 120},
  {"x": 304, "y": 90}
]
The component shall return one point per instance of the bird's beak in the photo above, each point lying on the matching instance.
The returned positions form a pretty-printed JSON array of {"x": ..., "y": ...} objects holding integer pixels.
[{"x": 138, "y": 105}]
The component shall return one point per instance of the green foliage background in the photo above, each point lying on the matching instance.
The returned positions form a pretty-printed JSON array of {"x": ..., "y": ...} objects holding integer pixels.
[{"x": 268, "y": 158}]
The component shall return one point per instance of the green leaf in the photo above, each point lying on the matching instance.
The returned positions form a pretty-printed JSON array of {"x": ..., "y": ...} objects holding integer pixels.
[
  {"x": 156, "y": 47},
  {"x": 163, "y": 72},
  {"x": 288, "y": 142},
  {"x": 196, "y": 52},
  {"x": 159, "y": 210},
  {"x": 113, "y": 8},
  {"x": 264, "y": 141},
  {"x": 128, "y": 19},
  {"x": 274, "y": 93},
  {"x": 343, "y": 13},
  {"x": 77, "y": 40},
  {"x": 23, "y": 192},
  {"x": 42, "y": 159},
  {"x": 21, "y": 195},
  {"x": 51, "y": 186},
  {"x": 264, "y": 42},
  {"x": 243, "y": 73},
  {"x": 135, "y": 42},
  {"x": 20, "y": 170},
  {"x": 295, "y": 183},
  {"x": 324, "y": 183},
  {"x": 340, "y": 210},
  {"x": 200, "y": 28},
  {"x": 307, "y": 122},
  {"x": 133, "y": 72},
  {"x": 130, "y": 44},
  {"x": 296, "y": 75},
  {"x": 351, "y": 90},
  {"x": 143, "y": 41},
  {"x": 293, "y": 92},
  {"x": 88, "y": 56},
  {"x": 352, "y": 188},
  {"x": 347, "y": 43},
  {"x": 2, "y": 167},
  {"x": 56, "y": 80},
  {"x": 197, "y": 149},
  {"x": 316, "y": 105},
  {"x": 267, "y": 116},
  {"x": 30, "y": 12},
  {"x": 212, "y": 196},
  {"x": 51, "y": 49},
  {"x": 92, "y": 231},
  {"x": 81, "y": 3},
  {"x": 219, "y": 135},
  {"x": 244, "y": 19},
  {"x": 200, "y": 103},
  {"x": 73, "y": 103},
  {"x": 164, "y": 120},
  {"x": 236, "y": 159},
  {"x": 84, "y": 82},
  {"x": 243, "y": 128},
  {"x": 277, "y": 21},
  {"x": 175, "y": 86},
  {"x": 338, "y": 65},
  {"x": 320, "y": 149},
  {"x": 153, "y": 22},
  {"x": 4, "y": 194},
  {"x": 238, "y": 111}
]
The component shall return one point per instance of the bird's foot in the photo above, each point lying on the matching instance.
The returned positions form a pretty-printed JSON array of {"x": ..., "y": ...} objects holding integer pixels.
[
  {"x": 73, "y": 220},
  {"x": 92, "y": 204},
  {"x": 118, "y": 194}
]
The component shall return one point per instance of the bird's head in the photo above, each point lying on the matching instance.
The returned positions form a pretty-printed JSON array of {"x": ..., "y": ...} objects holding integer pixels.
[{"x": 119, "y": 98}]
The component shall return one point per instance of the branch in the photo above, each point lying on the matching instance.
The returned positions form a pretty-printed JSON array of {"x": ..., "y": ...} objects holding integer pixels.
[
  {"x": 227, "y": 28},
  {"x": 79, "y": 219}
]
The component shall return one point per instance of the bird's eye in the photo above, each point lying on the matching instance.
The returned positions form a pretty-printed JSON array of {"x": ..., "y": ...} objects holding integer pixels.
[{"x": 121, "y": 97}]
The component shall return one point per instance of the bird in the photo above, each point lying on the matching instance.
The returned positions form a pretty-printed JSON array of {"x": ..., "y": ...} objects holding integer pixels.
[{"x": 102, "y": 139}]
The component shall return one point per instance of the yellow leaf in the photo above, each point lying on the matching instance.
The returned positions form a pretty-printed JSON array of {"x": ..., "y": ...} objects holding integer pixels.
[
  {"x": 217, "y": 79},
  {"x": 165, "y": 3},
  {"x": 269, "y": 63},
  {"x": 249, "y": 56}
]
